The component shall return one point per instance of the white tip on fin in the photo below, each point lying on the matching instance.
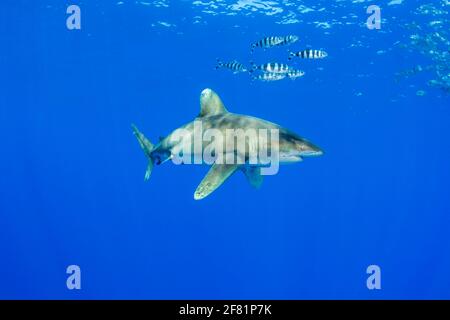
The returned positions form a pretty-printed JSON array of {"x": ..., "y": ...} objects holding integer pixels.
[
  {"x": 210, "y": 104},
  {"x": 148, "y": 172},
  {"x": 214, "y": 179}
]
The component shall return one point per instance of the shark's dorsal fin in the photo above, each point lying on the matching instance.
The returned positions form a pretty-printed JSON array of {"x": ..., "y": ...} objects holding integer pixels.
[
  {"x": 210, "y": 104},
  {"x": 253, "y": 175},
  {"x": 214, "y": 179}
]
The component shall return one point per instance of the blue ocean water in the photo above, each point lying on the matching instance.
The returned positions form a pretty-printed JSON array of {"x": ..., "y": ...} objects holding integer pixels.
[{"x": 72, "y": 189}]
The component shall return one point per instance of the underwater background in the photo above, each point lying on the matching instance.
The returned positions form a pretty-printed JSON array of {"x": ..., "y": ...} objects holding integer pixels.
[{"x": 72, "y": 190}]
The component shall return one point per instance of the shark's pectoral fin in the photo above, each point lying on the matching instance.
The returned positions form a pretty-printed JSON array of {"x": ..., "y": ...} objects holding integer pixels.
[
  {"x": 214, "y": 179},
  {"x": 253, "y": 175}
]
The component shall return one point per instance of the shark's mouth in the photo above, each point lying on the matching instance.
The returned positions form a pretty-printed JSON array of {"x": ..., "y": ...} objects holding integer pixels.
[
  {"x": 298, "y": 156},
  {"x": 311, "y": 153},
  {"x": 290, "y": 158}
]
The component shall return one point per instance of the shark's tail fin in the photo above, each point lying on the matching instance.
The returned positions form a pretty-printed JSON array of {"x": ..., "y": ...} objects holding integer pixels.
[{"x": 147, "y": 146}]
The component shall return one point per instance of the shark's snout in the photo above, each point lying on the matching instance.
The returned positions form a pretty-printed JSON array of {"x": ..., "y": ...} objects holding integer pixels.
[{"x": 307, "y": 149}]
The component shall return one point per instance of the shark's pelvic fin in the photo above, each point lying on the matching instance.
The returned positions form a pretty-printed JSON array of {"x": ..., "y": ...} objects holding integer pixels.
[
  {"x": 214, "y": 179},
  {"x": 147, "y": 146},
  {"x": 253, "y": 175},
  {"x": 210, "y": 104}
]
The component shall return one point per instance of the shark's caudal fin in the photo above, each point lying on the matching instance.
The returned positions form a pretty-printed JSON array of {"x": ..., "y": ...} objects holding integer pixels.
[{"x": 147, "y": 146}]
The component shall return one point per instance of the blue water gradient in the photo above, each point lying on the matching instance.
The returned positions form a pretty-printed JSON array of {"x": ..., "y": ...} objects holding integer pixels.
[{"x": 72, "y": 189}]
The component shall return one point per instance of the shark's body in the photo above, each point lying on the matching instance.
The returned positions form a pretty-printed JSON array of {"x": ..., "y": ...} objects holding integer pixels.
[{"x": 213, "y": 115}]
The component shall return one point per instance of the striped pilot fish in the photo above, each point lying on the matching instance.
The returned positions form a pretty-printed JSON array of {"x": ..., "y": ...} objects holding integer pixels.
[
  {"x": 271, "y": 67},
  {"x": 294, "y": 74},
  {"x": 267, "y": 76},
  {"x": 269, "y": 42},
  {"x": 309, "y": 54},
  {"x": 234, "y": 66}
]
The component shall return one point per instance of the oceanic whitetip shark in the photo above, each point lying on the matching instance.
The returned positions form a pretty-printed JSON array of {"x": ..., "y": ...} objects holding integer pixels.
[{"x": 254, "y": 153}]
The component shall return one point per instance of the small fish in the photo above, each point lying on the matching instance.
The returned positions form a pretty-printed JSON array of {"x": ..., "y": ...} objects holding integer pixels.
[
  {"x": 234, "y": 66},
  {"x": 271, "y": 67},
  {"x": 269, "y": 42},
  {"x": 267, "y": 76},
  {"x": 420, "y": 93},
  {"x": 309, "y": 54},
  {"x": 294, "y": 74}
]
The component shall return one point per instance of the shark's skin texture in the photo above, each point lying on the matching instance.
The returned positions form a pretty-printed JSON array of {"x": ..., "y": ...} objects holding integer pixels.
[{"x": 213, "y": 115}]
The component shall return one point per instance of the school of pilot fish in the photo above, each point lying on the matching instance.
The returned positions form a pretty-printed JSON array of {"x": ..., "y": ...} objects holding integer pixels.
[{"x": 273, "y": 70}]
